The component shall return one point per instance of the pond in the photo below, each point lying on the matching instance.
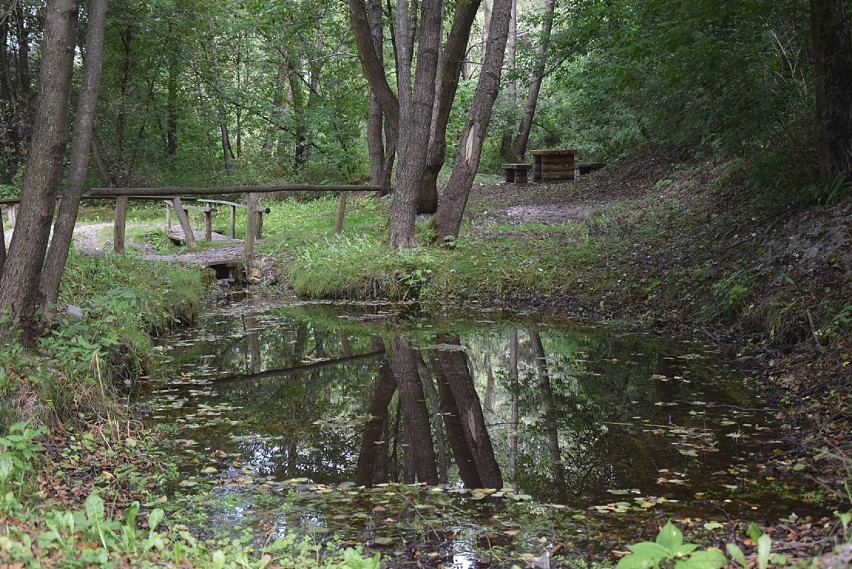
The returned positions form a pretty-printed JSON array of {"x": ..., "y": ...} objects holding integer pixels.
[{"x": 474, "y": 441}]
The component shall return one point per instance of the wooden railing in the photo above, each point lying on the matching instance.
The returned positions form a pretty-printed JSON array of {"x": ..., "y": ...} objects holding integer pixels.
[{"x": 123, "y": 195}]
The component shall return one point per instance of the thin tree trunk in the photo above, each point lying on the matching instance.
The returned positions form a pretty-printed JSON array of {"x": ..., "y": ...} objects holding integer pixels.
[
  {"x": 221, "y": 112},
  {"x": 437, "y": 417},
  {"x": 831, "y": 39},
  {"x": 375, "y": 121},
  {"x": 507, "y": 147},
  {"x": 63, "y": 229},
  {"x": 44, "y": 169},
  {"x": 451, "y": 210},
  {"x": 535, "y": 83}
]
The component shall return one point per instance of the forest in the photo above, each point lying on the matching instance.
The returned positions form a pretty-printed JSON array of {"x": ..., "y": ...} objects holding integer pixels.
[{"x": 718, "y": 212}]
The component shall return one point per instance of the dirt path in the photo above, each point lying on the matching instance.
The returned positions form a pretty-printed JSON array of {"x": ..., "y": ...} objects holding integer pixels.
[{"x": 96, "y": 238}]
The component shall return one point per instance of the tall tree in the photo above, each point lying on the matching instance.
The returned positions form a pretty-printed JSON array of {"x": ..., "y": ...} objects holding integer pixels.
[
  {"x": 63, "y": 229},
  {"x": 535, "y": 81},
  {"x": 452, "y": 62},
  {"x": 44, "y": 167},
  {"x": 831, "y": 39},
  {"x": 449, "y": 216}
]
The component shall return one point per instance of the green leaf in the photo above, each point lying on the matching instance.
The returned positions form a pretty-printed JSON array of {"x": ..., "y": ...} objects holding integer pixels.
[
  {"x": 685, "y": 549},
  {"x": 736, "y": 554},
  {"x": 155, "y": 518},
  {"x": 635, "y": 561},
  {"x": 383, "y": 541},
  {"x": 764, "y": 547},
  {"x": 650, "y": 550},
  {"x": 710, "y": 559},
  {"x": 94, "y": 507},
  {"x": 754, "y": 531},
  {"x": 670, "y": 537}
]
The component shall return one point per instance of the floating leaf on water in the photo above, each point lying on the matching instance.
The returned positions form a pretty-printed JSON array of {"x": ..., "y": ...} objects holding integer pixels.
[
  {"x": 209, "y": 470},
  {"x": 687, "y": 452}
]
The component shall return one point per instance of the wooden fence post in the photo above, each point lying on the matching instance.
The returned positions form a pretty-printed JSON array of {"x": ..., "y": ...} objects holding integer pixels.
[
  {"x": 251, "y": 232},
  {"x": 208, "y": 225},
  {"x": 184, "y": 223},
  {"x": 232, "y": 227},
  {"x": 119, "y": 226},
  {"x": 341, "y": 211},
  {"x": 259, "y": 231}
]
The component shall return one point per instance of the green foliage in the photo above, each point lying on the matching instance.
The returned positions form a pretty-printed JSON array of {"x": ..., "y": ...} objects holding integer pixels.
[
  {"x": 669, "y": 550},
  {"x": 18, "y": 451}
]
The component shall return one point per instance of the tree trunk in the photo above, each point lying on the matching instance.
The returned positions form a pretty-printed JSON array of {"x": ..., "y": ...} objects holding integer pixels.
[
  {"x": 507, "y": 147},
  {"x": 451, "y": 366},
  {"x": 449, "y": 217},
  {"x": 535, "y": 83},
  {"x": 375, "y": 120},
  {"x": 372, "y": 64},
  {"x": 832, "y": 47},
  {"x": 44, "y": 167},
  {"x": 417, "y": 428},
  {"x": 171, "y": 104},
  {"x": 63, "y": 229},
  {"x": 415, "y": 113},
  {"x": 120, "y": 169},
  {"x": 453, "y": 60},
  {"x": 221, "y": 111}
]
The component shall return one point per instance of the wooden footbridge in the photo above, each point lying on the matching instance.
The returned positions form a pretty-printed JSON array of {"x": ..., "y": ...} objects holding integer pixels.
[{"x": 174, "y": 198}]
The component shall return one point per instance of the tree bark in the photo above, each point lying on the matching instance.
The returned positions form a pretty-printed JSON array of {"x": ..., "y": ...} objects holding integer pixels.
[
  {"x": 372, "y": 64},
  {"x": 831, "y": 39},
  {"x": 44, "y": 167},
  {"x": 507, "y": 147},
  {"x": 417, "y": 427},
  {"x": 221, "y": 112},
  {"x": 453, "y": 61},
  {"x": 375, "y": 120},
  {"x": 515, "y": 415},
  {"x": 535, "y": 83},
  {"x": 415, "y": 113},
  {"x": 63, "y": 229},
  {"x": 449, "y": 216}
]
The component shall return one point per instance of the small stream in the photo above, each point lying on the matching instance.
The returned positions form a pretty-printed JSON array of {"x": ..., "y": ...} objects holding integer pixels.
[{"x": 357, "y": 422}]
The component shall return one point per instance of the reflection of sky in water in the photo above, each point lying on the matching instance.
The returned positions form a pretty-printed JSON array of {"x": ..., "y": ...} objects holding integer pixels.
[{"x": 602, "y": 419}]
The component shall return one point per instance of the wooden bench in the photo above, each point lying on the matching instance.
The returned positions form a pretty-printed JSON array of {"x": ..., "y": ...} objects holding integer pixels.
[
  {"x": 584, "y": 168},
  {"x": 516, "y": 173}
]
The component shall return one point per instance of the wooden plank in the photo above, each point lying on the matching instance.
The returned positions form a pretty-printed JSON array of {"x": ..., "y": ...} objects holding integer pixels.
[
  {"x": 184, "y": 222},
  {"x": 341, "y": 211},
  {"x": 224, "y": 190},
  {"x": 251, "y": 230},
  {"x": 259, "y": 230},
  {"x": 2, "y": 244},
  {"x": 120, "y": 224},
  {"x": 208, "y": 225}
]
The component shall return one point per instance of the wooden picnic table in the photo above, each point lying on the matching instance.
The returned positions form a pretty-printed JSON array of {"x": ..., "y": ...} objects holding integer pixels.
[{"x": 553, "y": 165}]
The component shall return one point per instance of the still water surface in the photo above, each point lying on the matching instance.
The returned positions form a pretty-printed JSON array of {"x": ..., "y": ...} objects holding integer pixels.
[{"x": 278, "y": 416}]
